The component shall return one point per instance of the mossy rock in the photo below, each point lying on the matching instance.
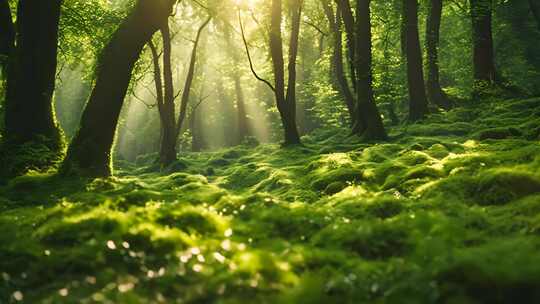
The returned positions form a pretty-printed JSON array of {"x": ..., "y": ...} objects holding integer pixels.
[
  {"x": 178, "y": 165},
  {"x": 385, "y": 207},
  {"x": 501, "y": 186}
]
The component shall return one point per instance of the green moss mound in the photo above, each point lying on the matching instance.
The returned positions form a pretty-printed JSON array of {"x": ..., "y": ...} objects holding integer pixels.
[{"x": 446, "y": 211}]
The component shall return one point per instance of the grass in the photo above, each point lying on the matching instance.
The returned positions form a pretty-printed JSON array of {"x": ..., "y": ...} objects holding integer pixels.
[{"x": 447, "y": 211}]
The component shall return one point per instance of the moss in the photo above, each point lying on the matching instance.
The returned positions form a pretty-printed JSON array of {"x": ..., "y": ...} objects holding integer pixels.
[
  {"x": 498, "y": 133},
  {"x": 501, "y": 186},
  {"x": 434, "y": 215},
  {"x": 344, "y": 175}
]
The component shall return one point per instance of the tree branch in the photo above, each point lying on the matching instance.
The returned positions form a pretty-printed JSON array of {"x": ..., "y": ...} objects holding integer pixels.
[{"x": 249, "y": 55}]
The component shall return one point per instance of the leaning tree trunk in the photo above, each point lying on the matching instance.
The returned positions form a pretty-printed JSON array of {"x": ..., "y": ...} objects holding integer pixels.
[
  {"x": 367, "y": 112},
  {"x": 90, "y": 151},
  {"x": 485, "y": 73},
  {"x": 7, "y": 36},
  {"x": 291, "y": 135},
  {"x": 435, "y": 93},
  {"x": 418, "y": 104},
  {"x": 29, "y": 113},
  {"x": 337, "y": 58},
  {"x": 535, "y": 9},
  {"x": 189, "y": 80}
]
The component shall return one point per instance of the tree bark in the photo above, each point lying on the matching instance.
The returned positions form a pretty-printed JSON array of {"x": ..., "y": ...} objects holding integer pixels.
[
  {"x": 535, "y": 9},
  {"x": 286, "y": 106},
  {"x": 369, "y": 122},
  {"x": 337, "y": 58},
  {"x": 345, "y": 10},
  {"x": 435, "y": 93},
  {"x": 7, "y": 36},
  {"x": 29, "y": 115},
  {"x": 90, "y": 151},
  {"x": 483, "y": 56},
  {"x": 418, "y": 104}
]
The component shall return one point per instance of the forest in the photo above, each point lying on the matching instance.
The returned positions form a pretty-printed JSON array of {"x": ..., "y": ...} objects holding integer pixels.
[{"x": 270, "y": 151}]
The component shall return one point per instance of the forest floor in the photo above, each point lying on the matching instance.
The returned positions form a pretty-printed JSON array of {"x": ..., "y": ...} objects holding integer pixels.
[{"x": 447, "y": 211}]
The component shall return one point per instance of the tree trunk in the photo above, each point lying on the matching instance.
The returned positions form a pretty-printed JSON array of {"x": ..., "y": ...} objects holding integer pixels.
[
  {"x": 483, "y": 56},
  {"x": 435, "y": 93},
  {"x": 286, "y": 111},
  {"x": 535, "y": 9},
  {"x": 7, "y": 36},
  {"x": 367, "y": 112},
  {"x": 90, "y": 151},
  {"x": 243, "y": 129},
  {"x": 189, "y": 80},
  {"x": 344, "y": 9},
  {"x": 167, "y": 153},
  {"x": 29, "y": 112},
  {"x": 337, "y": 58},
  {"x": 290, "y": 99},
  {"x": 418, "y": 104}
]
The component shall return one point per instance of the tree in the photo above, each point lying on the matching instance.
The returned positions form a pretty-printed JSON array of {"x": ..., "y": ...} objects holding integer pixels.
[
  {"x": 29, "y": 114},
  {"x": 285, "y": 100},
  {"x": 89, "y": 153},
  {"x": 243, "y": 128},
  {"x": 485, "y": 73},
  {"x": 338, "y": 71},
  {"x": 418, "y": 103},
  {"x": 170, "y": 126},
  {"x": 369, "y": 123},
  {"x": 435, "y": 93},
  {"x": 7, "y": 35}
]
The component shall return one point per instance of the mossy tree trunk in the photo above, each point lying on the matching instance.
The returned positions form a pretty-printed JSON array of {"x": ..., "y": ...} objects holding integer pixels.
[
  {"x": 485, "y": 73},
  {"x": 29, "y": 112},
  {"x": 372, "y": 127},
  {"x": 286, "y": 101},
  {"x": 418, "y": 103},
  {"x": 90, "y": 151},
  {"x": 435, "y": 93},
  {"x": 338, "y": 71}
]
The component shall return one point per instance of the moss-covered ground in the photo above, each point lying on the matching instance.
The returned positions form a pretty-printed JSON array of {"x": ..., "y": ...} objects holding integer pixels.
[{"x": 446, "y": 211}]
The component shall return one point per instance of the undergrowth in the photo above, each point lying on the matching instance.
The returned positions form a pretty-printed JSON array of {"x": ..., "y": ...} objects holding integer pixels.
[{"x": 446, "y": 211}]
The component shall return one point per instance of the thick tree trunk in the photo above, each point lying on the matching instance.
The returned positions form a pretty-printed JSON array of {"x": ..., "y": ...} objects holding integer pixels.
[
  {"x": 535, "y": 9},
  {"x": 29, "y": 112},
  {"x": 90, "y": 151},
  {"x": 483, "y": 56},
  {"x": 291, "y": 135},
  {"x": 337, "y": 59},
  {"x": 418, "y": 104},
  {"x": 433, "y": 25},
  {"x": 371, "y": 126},
  {"x": 7, "y": 36}
]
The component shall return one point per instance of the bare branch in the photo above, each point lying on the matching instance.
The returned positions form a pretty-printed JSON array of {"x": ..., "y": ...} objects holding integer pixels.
[{"x": 249, "y": 55}]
